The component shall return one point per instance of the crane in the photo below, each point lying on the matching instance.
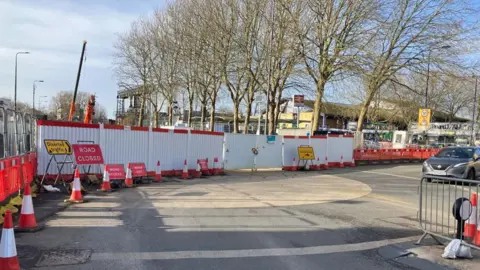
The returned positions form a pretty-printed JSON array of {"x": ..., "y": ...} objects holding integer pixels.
[{"x": 72, "y": 105}]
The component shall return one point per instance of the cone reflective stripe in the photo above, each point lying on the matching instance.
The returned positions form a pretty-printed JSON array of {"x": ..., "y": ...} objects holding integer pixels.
[
  {"x": 76, "y": 188},
  {"x": 341, "y": 162},
  {"x": 8, "y": 248},
  {"x": 476, "y": 239},
  {"x": 158, "y": 174},
  {"x": 106, "y": 180},
  {"x": 326, "y": 163},
  {"x": 27, "y": 216},
  {"x": 128, "y": 177},
  {"x": 185, "y": 170},
  {"x": 198, "y": 172},
  {"x": 471, "y": 223},
  {"x": 294, "y": 165}
]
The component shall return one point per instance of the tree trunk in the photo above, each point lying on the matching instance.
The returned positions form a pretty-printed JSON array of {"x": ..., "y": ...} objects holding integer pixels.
[
  {"x": 364, "y": 109},
  {"x": 170, "y": 114},
  {"x": 236, "y": 116},
  {"x": 204, "y": 114},
  {"x": 212, "y": 112},
  {"x": 142, "y": 111},
  {"x": 190, "y": 113},
  {"x": 271, "y": 117},
  {"x": 317, "y": 108},
  {"x": 156, "y": 117}
]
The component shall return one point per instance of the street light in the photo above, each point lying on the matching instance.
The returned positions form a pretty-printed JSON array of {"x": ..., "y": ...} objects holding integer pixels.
[
  {"x": 428, "y": 73},
  {"x": 472, "y": 139},
  {"x": 33, "y": 103},
  {"x": 16, "y": 61}
]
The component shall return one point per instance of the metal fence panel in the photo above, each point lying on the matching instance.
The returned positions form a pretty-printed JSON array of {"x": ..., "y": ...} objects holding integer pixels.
[
  {"x": 269, "y": 153},
  {"x": 205, "y": 144},
  {"x": 73, "y": 132},
  {"x": 290, "y": 148},
  {"x": 238, "y": 151},
  {"x": 319, "y": 144},
  {"x": 438, "y": 201}
]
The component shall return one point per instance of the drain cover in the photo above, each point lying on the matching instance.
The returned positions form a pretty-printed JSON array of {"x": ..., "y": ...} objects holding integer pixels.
[{"x": 63, "y": 257}]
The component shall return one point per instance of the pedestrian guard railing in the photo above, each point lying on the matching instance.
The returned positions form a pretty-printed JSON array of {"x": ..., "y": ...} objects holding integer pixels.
[{"x": 448, "y": 209}]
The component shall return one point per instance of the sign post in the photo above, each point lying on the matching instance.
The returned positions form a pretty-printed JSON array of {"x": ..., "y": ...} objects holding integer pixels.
[{"x": 298, "y": 101}]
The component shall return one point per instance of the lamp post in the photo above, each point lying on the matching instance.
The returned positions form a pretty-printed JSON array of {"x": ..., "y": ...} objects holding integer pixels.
[
  {"x": 16, "y": 64},
  {"x": 472, "y": 139},
  {"x": 428, "y": 73},
  {"x": 33, "y": 102}
]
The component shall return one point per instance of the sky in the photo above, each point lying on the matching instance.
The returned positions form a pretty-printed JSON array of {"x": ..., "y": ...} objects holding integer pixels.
[{"x": 53, "y": 32}]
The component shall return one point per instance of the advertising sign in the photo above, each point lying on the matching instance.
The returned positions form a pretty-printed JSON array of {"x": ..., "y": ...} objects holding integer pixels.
[
  {"x": 298, "y": 100},
  {"x": 138, "y": 169},
  {"x": 424, "y": 116},
  {"x": 305, "y": 152},
  {"x": 116, "y": 171},
  {"x": 58, "y": 147},
  {"x": 87, "y": 154}
]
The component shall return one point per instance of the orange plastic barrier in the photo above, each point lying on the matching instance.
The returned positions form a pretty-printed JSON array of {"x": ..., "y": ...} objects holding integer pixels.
[
  {"x": 15, "y": 172},
  {"x": 405, "y": 154}
]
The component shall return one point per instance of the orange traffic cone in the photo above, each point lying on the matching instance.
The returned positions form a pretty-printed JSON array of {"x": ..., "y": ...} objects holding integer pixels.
[
  {"x": 471, "y": 223},
  {"x": 215, "y": 166},
  {"x": 76, "y": 189},
  {"x": 158, "y": 174},
  {"x": 106, "y": 181},
  {"x": 341, "y": 162},
  {"x": 185, "y": 170},
  {"x": 8, "y": 248},
  {"x": 128, "y": 177},
  {"x": 326, "y": 163},
  {"x": 198, "y": 172},
  {"x": 353, "y": 163},
  {"x": 316, "y": 165},
  {"x": 476, "y": 239},
  {"x": 294, "y": 165},
  {"x": 27, "y": 216}
]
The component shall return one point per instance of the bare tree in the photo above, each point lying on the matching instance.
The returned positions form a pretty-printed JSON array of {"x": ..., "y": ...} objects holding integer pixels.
[
  {"x": 60, "y": 104},
  {"x": 406, "y": 31},
  {"x": 329, "y": 33}
]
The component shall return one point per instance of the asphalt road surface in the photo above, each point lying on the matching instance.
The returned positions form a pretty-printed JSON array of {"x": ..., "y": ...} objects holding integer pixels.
[{"x": 336, "y": 219}]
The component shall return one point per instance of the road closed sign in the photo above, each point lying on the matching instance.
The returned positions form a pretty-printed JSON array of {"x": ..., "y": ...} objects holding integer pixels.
[
  {"x": 87, "y": 154},
  {"x": 58, "y": 147},
  {"x": 115, "y": 171},
  {"x": 305, "y": 152}
]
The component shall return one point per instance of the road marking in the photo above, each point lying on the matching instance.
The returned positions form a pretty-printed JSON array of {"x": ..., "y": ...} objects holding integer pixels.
[
  {"x": 395, "y": 175},
  {"x": 247, "y": 253}
]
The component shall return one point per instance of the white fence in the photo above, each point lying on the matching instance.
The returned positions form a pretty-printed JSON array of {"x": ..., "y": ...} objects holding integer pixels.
[{"x": 123, "y": 144}]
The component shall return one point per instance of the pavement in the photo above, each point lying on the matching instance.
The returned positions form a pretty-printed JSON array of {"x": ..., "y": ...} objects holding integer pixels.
[{"x": 352, "y": 218}]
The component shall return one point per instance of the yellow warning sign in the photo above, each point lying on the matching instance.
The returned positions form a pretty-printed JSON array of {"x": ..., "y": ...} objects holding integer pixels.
[
  {"x": 305, "y": 153},
  {"x": 424, "y": 116},
  {"x": 58, "y": 147}
]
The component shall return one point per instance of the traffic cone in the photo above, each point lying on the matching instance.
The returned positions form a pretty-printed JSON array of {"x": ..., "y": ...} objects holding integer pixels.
[
  {"x": 27, "y": 216},
  {"x": 307, "y": 166},
  {"x": 471, "y": 224},
  {"x": 198, "y": 172},
  {"x": 185, "y": 170},
  {"x": 476, "y": 239},
  {"x": 294, "y": 165},
  {"x": 128, "y": 177},
  {"x": 8, "y": 248},
  {"x": 106, "y": 181},
  {"x": 76, "y": 189},
  {"x": 353, "y": 163},
  {"x": 158, "y": 174},
  {"x": 215, "y": 165},
  {"x": 341, "y": 162},
  {"x": 326, "y": 163}
]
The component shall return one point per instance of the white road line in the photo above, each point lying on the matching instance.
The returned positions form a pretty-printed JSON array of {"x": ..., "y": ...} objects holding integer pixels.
[
  {"x": 395, "y": 175},
  {"x": 246, "y": 253}
]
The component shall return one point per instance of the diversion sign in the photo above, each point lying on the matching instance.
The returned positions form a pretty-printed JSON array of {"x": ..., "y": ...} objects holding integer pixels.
[
  {"x": 58, "y": 147},
  {"x": 87, "y": 154}
]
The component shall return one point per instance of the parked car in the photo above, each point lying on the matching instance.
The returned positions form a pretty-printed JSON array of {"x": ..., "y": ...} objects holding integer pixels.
[{"x": 455, "y": 161}]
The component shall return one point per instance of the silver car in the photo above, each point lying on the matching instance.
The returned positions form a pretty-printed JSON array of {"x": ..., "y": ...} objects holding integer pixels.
[{"x": 456, "y": 161}]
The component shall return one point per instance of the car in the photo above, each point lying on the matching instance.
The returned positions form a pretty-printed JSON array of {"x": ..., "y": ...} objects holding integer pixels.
[{"x": 455, "y": 161}]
